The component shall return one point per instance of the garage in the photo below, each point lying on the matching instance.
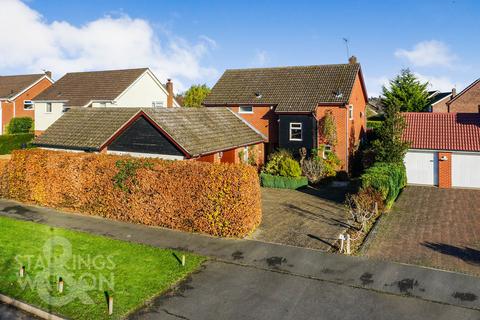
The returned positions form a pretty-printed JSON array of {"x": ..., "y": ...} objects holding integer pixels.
[
  {"x": 422, "y": 167},
  {"x": 444, "y": 149},
  {"x": 466, "y": 170}
]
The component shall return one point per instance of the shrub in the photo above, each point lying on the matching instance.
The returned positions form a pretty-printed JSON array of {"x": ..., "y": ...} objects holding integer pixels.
[
  {"x": 313, "y": 169},
  {"x": 330, "y": 165},
  {"x": 387, "y": 178},
  {"x": 10, "y": 142},
  {"x": 20, "y": 125},
  {"x": 374, "y": 124},
  {"x": 217, "y": 199},
  {"x": 281, "y": 163},
  {"x": 289, "y": 168},
  {"x": 271, "y": 181}
]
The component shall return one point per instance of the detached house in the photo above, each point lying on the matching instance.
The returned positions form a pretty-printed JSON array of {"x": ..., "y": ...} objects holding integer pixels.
[
  {"x": 16, "y": 94},
  {"x": 101, "y": 89},
  {"x": 467, "y": 101},
  {"x": 288, "y": 104}
]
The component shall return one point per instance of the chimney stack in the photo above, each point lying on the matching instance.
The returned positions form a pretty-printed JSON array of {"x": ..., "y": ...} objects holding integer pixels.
[
  {"x": 170, "y": 93},
  {"x": 49, "y": 74},
  {"x": 454, "y": 92},
  {"x": 352, "y": 60}
]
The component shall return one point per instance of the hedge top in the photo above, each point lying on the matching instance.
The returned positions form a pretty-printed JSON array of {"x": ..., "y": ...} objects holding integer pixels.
[{"x": 196, "y": 131}]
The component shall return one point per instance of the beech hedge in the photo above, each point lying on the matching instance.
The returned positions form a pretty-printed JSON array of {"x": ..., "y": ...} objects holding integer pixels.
[
  {"x": 388, "y": 178},
  {"x": 217, "y": 199}
]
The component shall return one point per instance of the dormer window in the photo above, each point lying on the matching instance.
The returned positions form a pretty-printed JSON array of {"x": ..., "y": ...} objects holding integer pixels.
[
  {"x": 245, "y": 109},
  {"x": 27, "y": 105}
]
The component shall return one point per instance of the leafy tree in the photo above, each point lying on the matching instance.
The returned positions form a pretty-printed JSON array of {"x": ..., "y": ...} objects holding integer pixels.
[
  {"x": 194, "y": 96},
  {"x": 407, "y": 92},
  {"x": 390, "y": 147}
]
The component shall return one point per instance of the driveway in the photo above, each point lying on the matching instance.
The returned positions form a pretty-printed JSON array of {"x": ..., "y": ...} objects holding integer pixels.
[
  {"x": 431, "y": 227},
  {"x": 309, "y": 217}
]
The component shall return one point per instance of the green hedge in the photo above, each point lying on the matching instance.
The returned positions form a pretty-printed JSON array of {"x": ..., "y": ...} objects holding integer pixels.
[
  {"x": 388, "y": 178},
  {"x": 280, "y": 182},
  {"x": 20, "y": 125},
  {"x": 10, "y": 142}
]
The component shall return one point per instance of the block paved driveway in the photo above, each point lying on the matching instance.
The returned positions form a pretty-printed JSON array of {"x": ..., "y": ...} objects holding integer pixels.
[
  {"x": 431, "y": 227},
  {"x": 309, "y": 217}
]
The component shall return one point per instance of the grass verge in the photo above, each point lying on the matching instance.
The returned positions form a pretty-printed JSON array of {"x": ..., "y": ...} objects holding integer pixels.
[{"x": 92, "y": 268}]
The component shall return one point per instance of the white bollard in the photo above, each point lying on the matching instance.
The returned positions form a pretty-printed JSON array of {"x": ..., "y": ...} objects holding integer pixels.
[
  {"x": 110, "y": 305},
  {"x": 342, "y": 240},
  {"x": 183, "y": 260},
  {"x": 60, "y": 285},
  {"x": 22, "y": 271},
  {"x": 348, "y": 243}
]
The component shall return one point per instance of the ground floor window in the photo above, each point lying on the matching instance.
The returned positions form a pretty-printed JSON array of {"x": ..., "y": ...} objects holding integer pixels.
[{"x": 295, "y": 131}]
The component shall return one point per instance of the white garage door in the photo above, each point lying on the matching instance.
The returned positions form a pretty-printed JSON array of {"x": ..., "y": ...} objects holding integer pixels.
[
  {"x": 422, "y": 167},
  {"x": 466, "y": 170}
]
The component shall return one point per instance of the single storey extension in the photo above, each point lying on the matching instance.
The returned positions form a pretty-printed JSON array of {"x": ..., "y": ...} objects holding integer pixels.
[
  {"x": 211, "y": 135},
  {"x": 445, "y": 149}
]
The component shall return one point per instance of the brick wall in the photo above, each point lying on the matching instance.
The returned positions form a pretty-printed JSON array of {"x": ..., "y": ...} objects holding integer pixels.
[
  {"x": 441, "y": 106},
  {"x": 468, "y": 102},
  {"x": 445, "y": 170},
  {"x": 233, "y": 155}
]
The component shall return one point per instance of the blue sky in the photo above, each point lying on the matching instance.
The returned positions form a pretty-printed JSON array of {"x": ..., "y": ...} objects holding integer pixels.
[{"x": 195, "y": 41}]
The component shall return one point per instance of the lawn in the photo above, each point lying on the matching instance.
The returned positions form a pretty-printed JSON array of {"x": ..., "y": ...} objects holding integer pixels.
[{"x": 92, "y": 268}]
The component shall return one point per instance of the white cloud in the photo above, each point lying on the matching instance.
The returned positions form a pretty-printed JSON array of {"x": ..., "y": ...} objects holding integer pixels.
[
  {"x": 105, "y": 43},
  {"x": 374, "y": 85},
  {"x": 438, "y": 83},
  {"x": 427, "y": 54},
  {"x": 261, "y": 58}
]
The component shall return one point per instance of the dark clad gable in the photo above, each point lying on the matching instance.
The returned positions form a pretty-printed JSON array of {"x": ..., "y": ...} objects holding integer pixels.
[{"x": 143, "y": 137}]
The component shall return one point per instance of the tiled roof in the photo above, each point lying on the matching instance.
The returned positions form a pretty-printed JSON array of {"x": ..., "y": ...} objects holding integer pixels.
[
  {"x": 443, "y": 131},
  {"x": 79, "y": 88},
  {"x": 197, "y": 131},
  {"x": 291, "y": 89},
  {"x": 12, "y": 85}
]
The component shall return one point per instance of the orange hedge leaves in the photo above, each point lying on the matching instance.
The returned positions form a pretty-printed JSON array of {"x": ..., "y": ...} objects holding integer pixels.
[{"x": 217, "y": 199}]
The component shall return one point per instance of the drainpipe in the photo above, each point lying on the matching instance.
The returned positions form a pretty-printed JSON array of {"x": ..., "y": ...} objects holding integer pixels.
[{"x": 347, "y": 139}]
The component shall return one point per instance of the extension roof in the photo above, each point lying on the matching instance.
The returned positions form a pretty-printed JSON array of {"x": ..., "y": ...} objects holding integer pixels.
[
  {"x": 443, "y": 131},
  {"x": 291, "y": 89},
  {"x": 197, "y": 131}
]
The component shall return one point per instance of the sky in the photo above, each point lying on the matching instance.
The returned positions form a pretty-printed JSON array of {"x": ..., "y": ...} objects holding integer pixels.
[{"x": 193, "y": 42}]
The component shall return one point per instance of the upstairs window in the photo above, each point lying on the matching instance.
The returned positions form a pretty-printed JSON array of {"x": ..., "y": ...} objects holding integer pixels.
[
  {"x": 245, "y": 109},
  {"x": 326, "y": 150},
  {"x": 295, "y": 131},
  {"x": 48, "y": 107},
  {"x": 350, "y": 112},
  {"x": 27, "y": 105},
  {"x": 157, "y": 104}
]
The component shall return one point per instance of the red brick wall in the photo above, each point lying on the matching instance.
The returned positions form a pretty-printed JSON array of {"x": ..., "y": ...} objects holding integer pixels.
[
  {"x": 7, "y": 108},
  {"x": 441, "y": 106},
  {"x": 468, "y": 102},
  {"x": 445, "y": 170},
  {"x": 233, "y": 155}
]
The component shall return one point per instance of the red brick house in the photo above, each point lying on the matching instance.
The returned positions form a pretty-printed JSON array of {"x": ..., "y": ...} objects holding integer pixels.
[
  {"x": 445, "y": 149},
  {"x": 16, "y": 94},
  {"x": 287, "y": 104},
  {"x": 467, "y": 101},
  {"x": 210, "y": 135}
]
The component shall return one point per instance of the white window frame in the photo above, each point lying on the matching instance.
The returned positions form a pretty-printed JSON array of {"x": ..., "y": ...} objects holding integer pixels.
[
  {"x": 245, "y": 112},
  {"x": 29, "y": 102},
  {"x": 297, "y": 125},
  {"x": 326, "y": 150},
  {"x": 48, "y": 105},
  {"x": 350, "y": 112},
  {"x": 157, "y": 104}
]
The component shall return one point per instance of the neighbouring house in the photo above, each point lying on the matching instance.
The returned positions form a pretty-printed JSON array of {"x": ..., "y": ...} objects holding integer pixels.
[
  {"x": 101, "y": 89},
  {"x": 288, "y": 104},
  {"x": 468, "y": 100},
  {"x": 16, "y": 94},
  {"x": 211, "y": 135},
  {"x": 438, "y": 101},
  {"x": 375, "y": 106},
  {"x": 445, "y": 149}
]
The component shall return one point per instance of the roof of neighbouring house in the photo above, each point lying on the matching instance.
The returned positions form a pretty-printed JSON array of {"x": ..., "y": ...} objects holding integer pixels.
[
  {"x": 10, "y": 86},
  {"x": 79, "y": 88},
  {"x": 291, "y": 89},
  {"x": 443, "y": 131},
  {"x": 197, "y": 131},
  {"x": 439, "y": 96}
]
